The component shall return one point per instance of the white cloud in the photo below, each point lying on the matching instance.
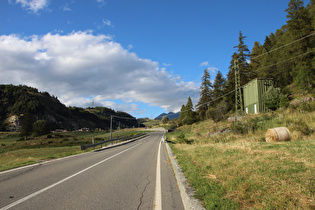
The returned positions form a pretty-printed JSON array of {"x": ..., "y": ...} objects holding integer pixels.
[
  {"x": 105, "y": 22},
  {"x": 66, "y": 8},
  {"x": 206, "y": 63},
  {"x": 80, "y": 66},
  {"x": 212, "y": 69},
  {"x": 101, "y": 3},
  {"x": 32, "y": 5}
]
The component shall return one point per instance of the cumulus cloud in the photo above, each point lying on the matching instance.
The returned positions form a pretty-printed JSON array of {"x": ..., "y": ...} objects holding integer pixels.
[
  {"x": 32, "y": 5},
  {"x": 81, "y": 67}
]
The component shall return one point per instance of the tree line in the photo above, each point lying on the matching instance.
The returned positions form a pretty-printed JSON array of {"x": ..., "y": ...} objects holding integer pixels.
[{"x": 286, "y": 56}]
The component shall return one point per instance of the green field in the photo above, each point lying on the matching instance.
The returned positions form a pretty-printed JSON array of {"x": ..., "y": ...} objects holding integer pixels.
[
  {"x": 238, "y": 169},
  {"x": 16, "y": 152}
]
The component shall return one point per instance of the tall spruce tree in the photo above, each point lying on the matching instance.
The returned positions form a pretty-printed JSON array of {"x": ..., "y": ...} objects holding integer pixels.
[
  {"x": 205, "y": 95},
  {"x": 230, "y": 83},
  {"x": 189, "y": 117},
  {"x": 242, "y": 56},
  {"x": 182, "y": 115},
  {"x": 219, "y": 87},
  {"x": 255, "y": 60}
]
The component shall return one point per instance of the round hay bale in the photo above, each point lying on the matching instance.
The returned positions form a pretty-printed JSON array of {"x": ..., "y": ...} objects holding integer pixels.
[{"x": 278, "y": 134}]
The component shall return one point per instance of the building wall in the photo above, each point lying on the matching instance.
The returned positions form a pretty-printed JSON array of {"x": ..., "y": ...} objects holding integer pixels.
[{"x": 253, "y": 92}]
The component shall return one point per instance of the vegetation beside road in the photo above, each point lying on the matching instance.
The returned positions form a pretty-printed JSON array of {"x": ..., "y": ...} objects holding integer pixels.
[
  {"x": 234, "y": 167},
  {"x": 16, "y": 152}
]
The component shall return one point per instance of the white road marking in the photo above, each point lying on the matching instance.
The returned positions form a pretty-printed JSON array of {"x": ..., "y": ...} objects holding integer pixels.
[
  {"x": 63, "y": 180},
  {"x": 158, "y": 188}
]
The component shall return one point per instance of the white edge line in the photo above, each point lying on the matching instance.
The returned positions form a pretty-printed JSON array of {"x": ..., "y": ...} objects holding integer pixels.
[
  {"x": 61, "y": 181},
  {"x": 158, "y": 190}
]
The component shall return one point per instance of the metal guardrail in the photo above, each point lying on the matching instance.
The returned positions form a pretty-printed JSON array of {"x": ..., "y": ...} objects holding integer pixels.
[{"x": 84, "y": 147}]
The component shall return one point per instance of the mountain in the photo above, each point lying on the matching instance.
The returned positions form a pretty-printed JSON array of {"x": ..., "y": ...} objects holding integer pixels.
[
  {"x": 17, "y": 101},
  {"x": 170, "y": 116}
]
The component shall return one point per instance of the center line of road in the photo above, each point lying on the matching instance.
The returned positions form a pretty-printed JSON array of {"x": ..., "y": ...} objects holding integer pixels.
[
  {"x": 158, "y": 190},
  {"x": 63, "y": 180}
]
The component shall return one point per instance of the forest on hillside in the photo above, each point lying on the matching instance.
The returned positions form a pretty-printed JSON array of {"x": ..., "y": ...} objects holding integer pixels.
[
  {"x": 20, "y": 104},
  {"x": 286, "y": 57}
]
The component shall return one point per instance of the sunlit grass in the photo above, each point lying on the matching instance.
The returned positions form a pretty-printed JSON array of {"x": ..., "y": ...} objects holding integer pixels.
[
  {"x": 232, "y": 170},
  {"x": 16, "y": 152}
]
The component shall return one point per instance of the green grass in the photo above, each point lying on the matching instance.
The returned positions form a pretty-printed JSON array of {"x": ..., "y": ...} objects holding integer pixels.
[
  {"x": 240, "y": 170},
  {"x": 22, "y": 157},
  {"x": 16, "y": 152}
]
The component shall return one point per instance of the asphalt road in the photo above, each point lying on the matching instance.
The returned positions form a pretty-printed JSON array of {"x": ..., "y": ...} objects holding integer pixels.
[{"x": 121, "y": 177}]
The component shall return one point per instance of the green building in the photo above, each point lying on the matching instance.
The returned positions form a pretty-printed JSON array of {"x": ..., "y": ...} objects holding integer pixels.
[{"x": 253, "y": 92}]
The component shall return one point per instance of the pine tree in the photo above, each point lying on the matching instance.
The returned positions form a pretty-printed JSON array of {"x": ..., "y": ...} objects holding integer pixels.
[
  {"x": 230, "y": 83},
  {"x": 189, "y": 113},
  {"x": 255, "y": 61},
  {"x": 182, "y": 115},
  {"x": 243, "y": 55},
  {"x": 205, "y": 95},
  {"x": 27, "y": 126},
  {"x": 219, "y": 87}
]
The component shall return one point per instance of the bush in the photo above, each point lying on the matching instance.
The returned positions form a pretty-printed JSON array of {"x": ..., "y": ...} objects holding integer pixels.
[
  {"x": 272, "y": 98},
  {"x": 41, "y": 127},
  {"x": 217, "y": 113},
  {"x": 165, "y": 119}
]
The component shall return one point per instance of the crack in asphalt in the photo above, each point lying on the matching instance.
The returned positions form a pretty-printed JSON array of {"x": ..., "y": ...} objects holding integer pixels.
[
  {"x": 142, "y": 194},
  {"x": 33, "y": 168}
]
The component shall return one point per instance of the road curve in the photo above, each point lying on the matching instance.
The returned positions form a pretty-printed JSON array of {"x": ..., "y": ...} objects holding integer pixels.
[{"x": 121, "y": 177}]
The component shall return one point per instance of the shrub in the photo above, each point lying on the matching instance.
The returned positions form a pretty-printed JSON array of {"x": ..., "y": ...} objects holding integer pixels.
[
  {"x": 217, "y": 113},
  {"x": 41, "y": 127},
  {"x": 272, "y": 98}
]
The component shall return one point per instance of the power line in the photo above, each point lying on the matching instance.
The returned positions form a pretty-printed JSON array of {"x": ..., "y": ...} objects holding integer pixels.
[
  {"x": 285, "y": 60},
  {"x": 207, "y": 103},
  {"x": 283, "y": 46}
]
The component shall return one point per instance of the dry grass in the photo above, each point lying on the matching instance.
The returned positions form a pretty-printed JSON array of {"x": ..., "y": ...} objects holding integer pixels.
[
  {"x": 243, "y": 170},
  {"x": 15, "y": 152}
]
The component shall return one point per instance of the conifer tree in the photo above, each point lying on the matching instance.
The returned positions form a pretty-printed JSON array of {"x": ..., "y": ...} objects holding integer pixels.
[
  {"x": 189, "y": 113},
  {"x": 255, "y": 61},
  {"x": 230, "y": 83},
  {"x": 182, "y": 115},
  {"x": 27, "y": 125},
  {"x": 205, "y": 95},
  {"x": 219, "y": 87},
  {"x": 242, "y": 56},
  {"x": 299, "y": 25}
]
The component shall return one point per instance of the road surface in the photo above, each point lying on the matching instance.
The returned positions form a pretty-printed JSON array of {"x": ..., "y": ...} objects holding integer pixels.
[{"x": 127, "y": 176}]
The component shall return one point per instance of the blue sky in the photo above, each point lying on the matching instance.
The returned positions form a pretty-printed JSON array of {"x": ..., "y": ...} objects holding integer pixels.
[{"x": 144, "y": 57}]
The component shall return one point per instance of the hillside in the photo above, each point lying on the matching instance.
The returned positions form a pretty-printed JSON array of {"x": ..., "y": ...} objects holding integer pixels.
[
  {"x": 233, "y": 167},
  {"x": 16, "y": 101}
]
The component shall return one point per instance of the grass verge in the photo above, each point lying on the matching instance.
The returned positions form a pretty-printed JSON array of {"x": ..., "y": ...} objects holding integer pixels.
[
  {"x": 238, "y": 170},
  {"x": 16, "y": 152},
  {"x": 22, "y": 157}
]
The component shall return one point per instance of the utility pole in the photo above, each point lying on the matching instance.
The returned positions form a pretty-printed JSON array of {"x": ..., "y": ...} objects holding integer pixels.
[
  {"x": 238, "y": 91},
  {"x": 111, "y": 126},
  {"x": 119, "y": 129}
]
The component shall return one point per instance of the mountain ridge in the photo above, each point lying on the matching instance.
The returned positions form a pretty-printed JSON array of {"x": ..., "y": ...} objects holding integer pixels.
[
  {"x": 170, "y": 116},
  {"x": 17, "y": 101}
]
